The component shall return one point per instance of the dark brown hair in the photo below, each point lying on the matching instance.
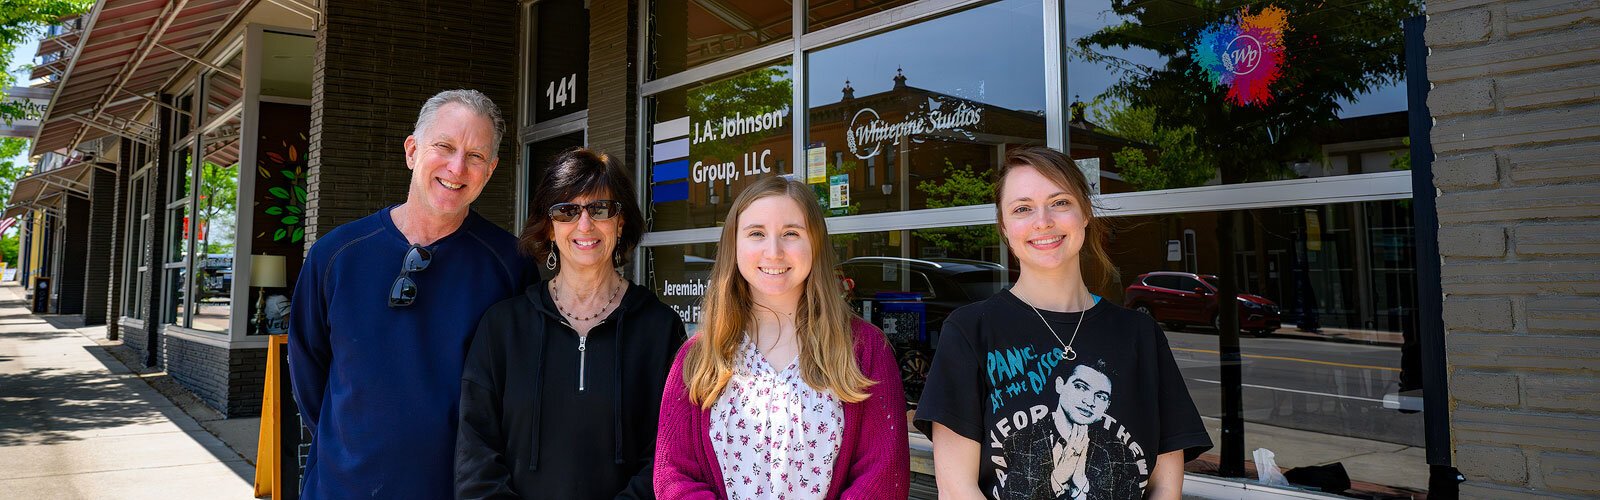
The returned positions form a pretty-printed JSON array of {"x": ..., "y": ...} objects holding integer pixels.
[
  {"x": 573, "y": 173},
  {"x": 1064, "y": 173}
]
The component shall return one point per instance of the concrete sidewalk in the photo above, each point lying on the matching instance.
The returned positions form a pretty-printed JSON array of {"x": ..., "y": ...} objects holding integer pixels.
[{"x": 76, "y": 423}]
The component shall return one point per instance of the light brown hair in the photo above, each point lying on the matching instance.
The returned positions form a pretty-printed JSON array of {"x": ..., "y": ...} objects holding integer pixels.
[
  {"x": 1065, "y": 174},
  {"x": 822, "y": 322}
]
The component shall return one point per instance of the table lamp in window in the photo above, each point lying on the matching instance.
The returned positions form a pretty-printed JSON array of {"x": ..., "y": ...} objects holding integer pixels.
[{"x": 266, "y": 271}]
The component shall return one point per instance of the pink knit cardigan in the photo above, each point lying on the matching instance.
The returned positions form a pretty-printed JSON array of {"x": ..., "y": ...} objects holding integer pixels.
[{"x": 874, "y": 459}]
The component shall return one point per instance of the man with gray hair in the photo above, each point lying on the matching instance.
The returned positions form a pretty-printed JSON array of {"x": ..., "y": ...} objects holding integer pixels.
[{"x": 386, "y": 306}]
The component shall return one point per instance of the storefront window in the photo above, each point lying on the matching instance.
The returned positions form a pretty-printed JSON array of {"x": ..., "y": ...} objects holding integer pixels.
[
  {"x": 1171, "y": 96},
  {"x": 825, "y": 13},
  {"x": 135, "y": 272},
  {"x": 179, "y": 227},
  {"x": 1326, "y": 308},
  {"x": 917, "y": 118},
  {"x": 710, "y": 140},
  {"x": 216, "y": 213},
  {"x": 559, "y": 84},
  {"x": 689, "y": 33}
]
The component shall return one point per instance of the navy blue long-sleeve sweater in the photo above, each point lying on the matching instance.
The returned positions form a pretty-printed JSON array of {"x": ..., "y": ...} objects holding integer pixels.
[{"x": 379, "y": 386}]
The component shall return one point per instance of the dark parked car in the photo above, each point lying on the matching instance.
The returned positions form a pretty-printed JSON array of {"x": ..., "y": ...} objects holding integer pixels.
[
  {"x": 1177, "y": 299},
  {"x": 910, "y": 298}
]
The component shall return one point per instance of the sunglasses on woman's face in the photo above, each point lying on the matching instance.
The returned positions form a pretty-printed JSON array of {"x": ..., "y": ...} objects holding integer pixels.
[
  {"x": 404, "y": 290},
  {"x": 598, "y": 210}
]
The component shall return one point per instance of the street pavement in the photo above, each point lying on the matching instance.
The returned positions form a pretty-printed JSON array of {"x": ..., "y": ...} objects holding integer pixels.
[
  {"x": 76, "y": 423},
  {"x": 1313, "y": 402}
]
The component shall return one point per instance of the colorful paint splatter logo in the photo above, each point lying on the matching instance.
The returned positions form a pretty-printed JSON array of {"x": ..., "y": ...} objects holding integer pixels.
[{"x": 1244, "y": 55}]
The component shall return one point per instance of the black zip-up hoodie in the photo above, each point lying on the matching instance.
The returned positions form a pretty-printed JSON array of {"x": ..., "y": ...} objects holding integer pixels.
[{"x": 500, "y": 445}]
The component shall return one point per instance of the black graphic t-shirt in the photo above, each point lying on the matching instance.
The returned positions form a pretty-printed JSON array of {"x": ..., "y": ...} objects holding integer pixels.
[{"x": 1050, "y": 428}]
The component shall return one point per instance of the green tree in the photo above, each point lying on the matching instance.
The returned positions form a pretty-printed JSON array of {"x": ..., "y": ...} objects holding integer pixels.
[
  {"x": 960, "y": 187},
  {"x": 11, "y": 170},
  {"x": 8, "y": 248},
  {"x": 752, "y": 93},
  {"x": 1334, "y": 54},
  {"x": 219, "y": 198},
  {"x": 1176, "y": 161},
  {"x": 24, "y": 19}
]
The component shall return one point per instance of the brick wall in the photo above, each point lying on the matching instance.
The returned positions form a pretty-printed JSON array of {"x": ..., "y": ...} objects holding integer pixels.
[
  {"x": 135, "y": 338},
  {"x": 102, "y": 244},
  {"x": 1516, "y": 100},
  {"x": 153, "y": 248},
  {"x": 228, "y": 380},
  {"x": 376, "y": 63},
  {"x": 613, "y": 86},
  {"x": 74, "y": 252}
]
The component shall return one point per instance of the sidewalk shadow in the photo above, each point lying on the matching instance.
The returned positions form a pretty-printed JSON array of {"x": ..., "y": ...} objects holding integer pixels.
[
  {"x": 152, "y": 379},
  {"x": 53, "y": 405},
  {"x": 63, "y": 321}
]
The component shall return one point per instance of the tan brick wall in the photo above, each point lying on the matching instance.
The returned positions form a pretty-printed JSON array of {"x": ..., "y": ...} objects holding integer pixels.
[{"x": 1516, "y": 100}]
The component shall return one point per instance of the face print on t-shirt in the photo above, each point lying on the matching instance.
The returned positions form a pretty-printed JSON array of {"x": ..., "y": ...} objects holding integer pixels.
[{"x": 1075, "y": 450}]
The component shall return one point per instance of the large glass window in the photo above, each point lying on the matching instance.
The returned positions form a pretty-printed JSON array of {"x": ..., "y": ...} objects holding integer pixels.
[
  {"x": 689, "y": 33},
  {"x": 136, "y": 270},
  {"x": 176, "y": 261},
  {"x": 216, "y": 214},
  {"x": 708, "y": 141},
  {"x": 1326, "y": 304},
  {"x": 916, "y": 118},
  {"x": 910, "y": 116},
  {"x": 1169, "y": 96},
  {"x": 826, "y": 13}
]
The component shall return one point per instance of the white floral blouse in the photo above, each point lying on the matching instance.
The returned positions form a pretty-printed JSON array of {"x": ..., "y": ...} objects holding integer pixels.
[{"x": 775, "y": 436}]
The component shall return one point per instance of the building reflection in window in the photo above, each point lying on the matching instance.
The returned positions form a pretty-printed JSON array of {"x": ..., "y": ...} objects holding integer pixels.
[
  {"x": 710, "y": 140},
  {"x": 689, "y": 33},
  {"x": 916, "y": 118}
]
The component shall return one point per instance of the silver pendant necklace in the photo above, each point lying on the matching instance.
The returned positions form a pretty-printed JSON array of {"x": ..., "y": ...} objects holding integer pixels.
[{"x": 1067, "y": 354}]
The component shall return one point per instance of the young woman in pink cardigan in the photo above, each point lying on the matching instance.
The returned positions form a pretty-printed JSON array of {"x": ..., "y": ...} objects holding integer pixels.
[{"x": 783, "y": 393}]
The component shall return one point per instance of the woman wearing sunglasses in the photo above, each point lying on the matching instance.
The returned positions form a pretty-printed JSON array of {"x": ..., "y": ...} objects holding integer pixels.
[
  {"x": 562, "y": 385},
  {"x": 783, "y": 393}
]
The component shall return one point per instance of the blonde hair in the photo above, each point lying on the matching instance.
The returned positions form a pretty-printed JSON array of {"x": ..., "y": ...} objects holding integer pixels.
[{"x": 822, "y": 322}]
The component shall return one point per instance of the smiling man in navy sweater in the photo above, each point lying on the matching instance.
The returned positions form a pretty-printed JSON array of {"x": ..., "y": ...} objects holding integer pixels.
[{"x": 385, "y": 308}]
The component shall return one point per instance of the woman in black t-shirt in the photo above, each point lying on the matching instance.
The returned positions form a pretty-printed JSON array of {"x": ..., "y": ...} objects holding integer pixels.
[{"x": 1044, "y": 391}]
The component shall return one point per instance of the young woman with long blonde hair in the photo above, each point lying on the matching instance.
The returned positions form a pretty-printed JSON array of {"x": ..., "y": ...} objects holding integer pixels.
[{"x": 783, "y": 392}]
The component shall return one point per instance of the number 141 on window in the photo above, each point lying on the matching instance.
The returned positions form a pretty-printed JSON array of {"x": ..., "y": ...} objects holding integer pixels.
[{"x": 562, "y": 93}]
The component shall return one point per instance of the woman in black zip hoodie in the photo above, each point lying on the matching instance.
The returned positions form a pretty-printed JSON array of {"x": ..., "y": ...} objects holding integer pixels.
[{"x": 562, "y": 385}]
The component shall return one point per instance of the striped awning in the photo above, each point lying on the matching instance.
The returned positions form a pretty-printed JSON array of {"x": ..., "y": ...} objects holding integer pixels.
[
  {"x": 127, "y": 52},
  {"x": 43, "y": 188}
]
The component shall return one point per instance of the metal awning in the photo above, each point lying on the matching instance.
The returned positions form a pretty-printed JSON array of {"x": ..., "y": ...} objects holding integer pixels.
[
  {"x": 50, "y": 203},
  {"x": 128, "y": 51},
  {"x": 15, "y": 210},
  {"x": 36, "y": 189}
]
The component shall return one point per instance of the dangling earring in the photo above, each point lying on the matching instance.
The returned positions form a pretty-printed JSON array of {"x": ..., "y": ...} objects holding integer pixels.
[
  {"x": 550, "y": 262},
  {"x": 616, "y": 255}
]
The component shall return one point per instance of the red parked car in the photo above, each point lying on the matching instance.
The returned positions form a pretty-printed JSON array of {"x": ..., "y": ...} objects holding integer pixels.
[{"x": 1177, "y": 299}]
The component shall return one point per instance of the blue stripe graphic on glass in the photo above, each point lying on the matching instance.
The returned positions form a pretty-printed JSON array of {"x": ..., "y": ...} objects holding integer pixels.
[
  {"x": 670, "y": 171},
  {"x": 670, "y": 150},
  {"x": 663, "y": 193}
]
